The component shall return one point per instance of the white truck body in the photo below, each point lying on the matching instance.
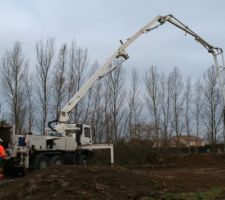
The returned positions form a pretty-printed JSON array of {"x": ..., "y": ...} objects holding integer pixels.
[{"x": 39, "y": 151}]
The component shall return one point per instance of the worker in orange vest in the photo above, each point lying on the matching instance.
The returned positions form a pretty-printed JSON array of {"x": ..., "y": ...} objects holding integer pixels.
[{"x": 2, "y": 153}]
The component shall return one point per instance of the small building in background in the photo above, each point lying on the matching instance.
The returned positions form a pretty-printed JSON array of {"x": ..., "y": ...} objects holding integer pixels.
[
  {"x": 181, "y": 141},
  {"x": 184, "y": 141}
]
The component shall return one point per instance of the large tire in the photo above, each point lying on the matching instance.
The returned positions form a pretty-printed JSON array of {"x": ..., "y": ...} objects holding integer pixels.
[
  {"x": 82, "y": 159},
  {"x": 56, "y": 160},
  {"x": 41, "y": 162}
]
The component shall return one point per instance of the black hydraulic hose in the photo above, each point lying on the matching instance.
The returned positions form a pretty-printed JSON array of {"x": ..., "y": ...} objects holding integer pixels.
[{"x": 50, "y": 125}]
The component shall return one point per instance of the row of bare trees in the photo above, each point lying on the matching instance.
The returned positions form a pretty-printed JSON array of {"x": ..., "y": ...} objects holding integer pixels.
[
  {"x": 179, "y": 106},
  {"x": 161, "y": 106}
]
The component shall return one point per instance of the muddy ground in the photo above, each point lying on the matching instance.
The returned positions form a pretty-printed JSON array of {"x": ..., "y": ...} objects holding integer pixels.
[{"x": 178, "y": 174}]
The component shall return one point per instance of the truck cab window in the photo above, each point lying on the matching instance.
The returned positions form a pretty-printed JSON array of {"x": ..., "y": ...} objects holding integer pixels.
[{"x": 87, "y": 132}]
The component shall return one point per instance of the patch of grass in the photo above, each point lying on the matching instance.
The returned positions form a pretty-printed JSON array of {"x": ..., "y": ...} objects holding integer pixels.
[
  {"x": 215, "y": 193},
  {"x": 212, "y": 194}
]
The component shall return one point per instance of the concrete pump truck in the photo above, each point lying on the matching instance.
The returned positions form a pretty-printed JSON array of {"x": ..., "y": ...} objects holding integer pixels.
[{"x": 68, "y": 143}]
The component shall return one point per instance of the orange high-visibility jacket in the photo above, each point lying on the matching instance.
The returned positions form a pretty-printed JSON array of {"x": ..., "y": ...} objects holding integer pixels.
[{"x": 2, "y": 152}]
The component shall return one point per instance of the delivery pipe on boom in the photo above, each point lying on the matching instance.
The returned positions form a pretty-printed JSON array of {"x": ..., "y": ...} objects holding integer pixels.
[{"x": 121, "y": 53}]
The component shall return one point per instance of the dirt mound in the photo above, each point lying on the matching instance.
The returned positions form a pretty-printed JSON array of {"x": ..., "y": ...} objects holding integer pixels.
[
  {"x": 196, "y": 160},
  {"x": 195, "y": 173},
  {"x": 69, "y": 182}
]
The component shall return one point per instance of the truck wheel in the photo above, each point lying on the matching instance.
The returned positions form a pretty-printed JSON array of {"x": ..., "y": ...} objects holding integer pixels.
[
  {"x": 56, "y": 160},
  {"x": 82, "y": 160},
  {"x": 41, "y": 162}
]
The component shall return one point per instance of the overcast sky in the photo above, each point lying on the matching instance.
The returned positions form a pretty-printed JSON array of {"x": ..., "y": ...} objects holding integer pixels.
[{"x": 100, "y": 24}]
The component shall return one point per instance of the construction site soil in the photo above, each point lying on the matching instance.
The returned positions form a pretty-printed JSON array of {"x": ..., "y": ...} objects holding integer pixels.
[{"x": 191, "y": 173}]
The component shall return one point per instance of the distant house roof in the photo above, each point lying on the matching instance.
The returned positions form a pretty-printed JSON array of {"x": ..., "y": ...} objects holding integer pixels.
[
  {"x": 181, "y": 141},
  {"x": 185, "y": 138}
]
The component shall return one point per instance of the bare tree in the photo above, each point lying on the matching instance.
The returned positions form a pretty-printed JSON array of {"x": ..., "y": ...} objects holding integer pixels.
[
  {"x": 59, "y": 82},
  {"x": 14, "y": 72},
  {"x": 212, "y": 108},
  {"x": 188, "y": 102},
  {"x": 0, "y": 108},
  {"x": 177, "y": 99},
  {"x": 135, "y": 105},
  {"x": 78, "y": 59},
  {"x": 89, "y": 103},
  {"x": 44, "y": 60},
  {"x": 107, "y": 117},
  {"x": 30, "y": 106},
  {"x": 97, "y": 112},
  {"x": 114, "y": 83},
  {"x": 198, "y": 108},
  {"x": 152, "y": 98},
  {"x": 86, "y": 107},
  {"x": 165, "y": 104}
]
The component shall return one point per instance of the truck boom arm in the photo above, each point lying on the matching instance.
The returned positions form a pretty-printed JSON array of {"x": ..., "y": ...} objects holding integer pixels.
[{"x": 121, "y": 53}]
